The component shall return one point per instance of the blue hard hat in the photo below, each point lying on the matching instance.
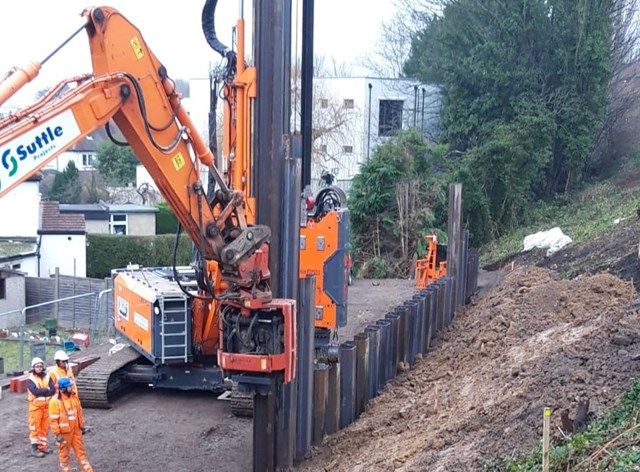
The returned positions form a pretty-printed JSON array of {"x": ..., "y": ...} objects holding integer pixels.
[{"x": 64, "y": 382}]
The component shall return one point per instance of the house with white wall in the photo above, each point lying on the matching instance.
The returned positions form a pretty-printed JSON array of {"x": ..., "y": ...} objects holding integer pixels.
[
  {"x": 83, "y": 153},
  {"x": 36, "y": 237},
  {"x": 369, "y": 111},
  {"x": 124, "y": 219},
  {"x": 63, "y": 242},
  {"x": 19, "y": 230}
]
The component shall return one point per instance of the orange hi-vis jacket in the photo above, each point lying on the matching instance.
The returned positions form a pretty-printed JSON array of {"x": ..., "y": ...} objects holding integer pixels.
[
  {"x": 65, "y": 414},
  {"x": 56, "y": 373},
  {"x": 39, "y": 391}
]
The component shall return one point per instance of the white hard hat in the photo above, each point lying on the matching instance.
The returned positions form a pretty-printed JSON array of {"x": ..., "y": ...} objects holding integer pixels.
[
  {"x": 36, "y": 360},
  {"x": 60, "y": 356}
]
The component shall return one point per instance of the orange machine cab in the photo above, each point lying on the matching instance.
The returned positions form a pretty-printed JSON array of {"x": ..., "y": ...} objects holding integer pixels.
[{"x": 324, "y": 252}]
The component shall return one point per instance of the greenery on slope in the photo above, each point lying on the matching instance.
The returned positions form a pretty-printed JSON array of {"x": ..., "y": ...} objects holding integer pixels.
[
  {"x": 608, "y": 444},
  {"x": 582, "y": 215},
  {"x": 525, "y": 87},
  {"x": 526, "y": 90}
]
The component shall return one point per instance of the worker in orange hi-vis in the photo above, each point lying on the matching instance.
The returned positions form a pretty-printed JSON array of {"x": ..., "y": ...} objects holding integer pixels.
[
  {"x": 40, "y": 389},
  {"x": 67, "y": 425},
  {"x": 62, "y": 369}
]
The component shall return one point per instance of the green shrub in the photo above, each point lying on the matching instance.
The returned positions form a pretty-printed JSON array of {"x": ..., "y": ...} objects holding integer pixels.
[
  {"x": 106, "y": 252},
  {"x": 166, "y": 221}
]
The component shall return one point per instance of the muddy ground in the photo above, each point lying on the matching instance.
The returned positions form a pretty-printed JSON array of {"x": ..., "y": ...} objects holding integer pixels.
[
  {"x": 554, "y": 330},
  {"x": 175, "y": 431}
]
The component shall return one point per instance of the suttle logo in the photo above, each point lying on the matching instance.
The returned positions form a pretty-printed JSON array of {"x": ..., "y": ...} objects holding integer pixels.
[
  {"x": 31, "y": 150},
  {"x": 37, "y": 147}
]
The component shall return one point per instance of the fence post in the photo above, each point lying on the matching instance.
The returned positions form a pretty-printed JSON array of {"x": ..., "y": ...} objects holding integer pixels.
[{"x": 56, "y": 294}]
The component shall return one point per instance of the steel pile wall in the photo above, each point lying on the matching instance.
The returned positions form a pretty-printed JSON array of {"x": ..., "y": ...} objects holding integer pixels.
[{"x": 388, "y": 347}]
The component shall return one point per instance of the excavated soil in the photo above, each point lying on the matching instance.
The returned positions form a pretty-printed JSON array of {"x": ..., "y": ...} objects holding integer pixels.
[{"x": 534, "y": 341}]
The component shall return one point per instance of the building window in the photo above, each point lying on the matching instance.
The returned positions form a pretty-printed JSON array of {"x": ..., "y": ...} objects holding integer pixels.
[
  {"x": 347, "y": 149},
  {"x": 16, "y": 266},
  {"x": 87, "y": 160},
  {"x": 118, "y": 223},
  {"x": 348, "y": 103},
  {"x": 3, "y": 289},
  {"x": 390, "y": 120},
  {"x": 324, "y": 103},
  {"x": 323, "y": 148}
]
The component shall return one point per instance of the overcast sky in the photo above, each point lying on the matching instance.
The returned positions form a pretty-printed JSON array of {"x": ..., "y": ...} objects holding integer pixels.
[{"x": 31, "y": 29}]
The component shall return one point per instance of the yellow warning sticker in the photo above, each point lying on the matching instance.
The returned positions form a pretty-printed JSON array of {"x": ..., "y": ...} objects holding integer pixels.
[
  {"x": 137, "y": 47},
  {"x": 178, "y": 161}
]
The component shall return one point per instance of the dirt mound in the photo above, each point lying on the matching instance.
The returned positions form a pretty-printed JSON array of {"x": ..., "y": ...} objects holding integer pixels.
[
  {"x": 614, "y": 251},
  {"x": 534, "y": 341}
]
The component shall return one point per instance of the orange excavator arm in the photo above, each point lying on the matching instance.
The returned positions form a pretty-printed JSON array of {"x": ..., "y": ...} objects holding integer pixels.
[
  {"x": 130, "y": 86},
  {"x": 36, "y": 135}
]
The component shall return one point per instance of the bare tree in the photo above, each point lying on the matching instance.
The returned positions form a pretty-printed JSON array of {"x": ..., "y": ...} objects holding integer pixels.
[
  {"x": 392, "y": 47},
  {"x": 330, "y": 67},
  {"x": 620, "y": 131},
  {"x": 333, "y": 121}
]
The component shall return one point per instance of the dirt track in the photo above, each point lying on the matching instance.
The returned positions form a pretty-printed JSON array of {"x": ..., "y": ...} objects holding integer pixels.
[{"x": 170, "y": 430}]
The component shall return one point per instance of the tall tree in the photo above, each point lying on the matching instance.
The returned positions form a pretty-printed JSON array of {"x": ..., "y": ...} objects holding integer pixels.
[
  {"x": 66, "y": 186},
  {"x": 525, "y": 89},
  {"x": 117, "y": 164}
]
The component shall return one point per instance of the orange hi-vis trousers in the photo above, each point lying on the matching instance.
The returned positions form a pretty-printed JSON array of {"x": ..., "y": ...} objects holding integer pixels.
[
  {"x": 38, "y": 427},
  {"x": 67, "y": 420},
  {"x": 73, "y": 440},
  {"x": 38, "y": 413}
]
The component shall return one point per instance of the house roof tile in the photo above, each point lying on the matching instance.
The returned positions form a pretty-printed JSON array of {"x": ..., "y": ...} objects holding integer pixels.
[
  {"x": 51, "y": 221},
  {"x": 91, "y": 141}
]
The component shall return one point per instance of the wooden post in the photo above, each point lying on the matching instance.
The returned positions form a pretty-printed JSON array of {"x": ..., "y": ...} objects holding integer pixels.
[
  {"x": 56, "y": 295},
  {"x": 454, "y": 232},
  {"x": 546, "y": 423}
]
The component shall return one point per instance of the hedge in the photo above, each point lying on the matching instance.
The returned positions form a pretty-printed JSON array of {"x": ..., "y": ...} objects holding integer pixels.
[
  {"x": 106, "y": 252},
  {"x": 166, "y": 221}
]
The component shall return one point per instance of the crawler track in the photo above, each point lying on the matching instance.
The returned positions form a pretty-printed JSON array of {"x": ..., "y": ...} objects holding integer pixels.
[
  {"x": 241, "y": 403},
  {"x": 101, "y": 382}
]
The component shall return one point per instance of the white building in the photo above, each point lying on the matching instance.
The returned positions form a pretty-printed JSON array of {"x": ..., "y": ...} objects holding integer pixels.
[
  {"x": 351, "y": 117},
  {"x": 83, "y": 153},
  {"x": 36, "y": 238},
  {"x": 360, "y": 113},
  {"x": 16, "y": 220},
  {"x": 63, "y": 242},
  {"x": 19, "y": 231}
]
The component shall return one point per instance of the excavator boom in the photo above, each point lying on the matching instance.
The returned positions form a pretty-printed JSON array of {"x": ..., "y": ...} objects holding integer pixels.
[{"x": 131, "y": 87}]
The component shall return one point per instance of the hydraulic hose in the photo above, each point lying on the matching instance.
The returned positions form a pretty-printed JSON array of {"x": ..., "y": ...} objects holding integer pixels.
[{"x": 209, "y": 29}]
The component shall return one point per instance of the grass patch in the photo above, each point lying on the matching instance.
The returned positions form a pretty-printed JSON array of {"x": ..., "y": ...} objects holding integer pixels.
[
  {"x": 10, "y": 347},
  {"x": 608, "y": 444},
  {"x": 10, "y": 352},
  {"x": 582, "y": 216}
]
